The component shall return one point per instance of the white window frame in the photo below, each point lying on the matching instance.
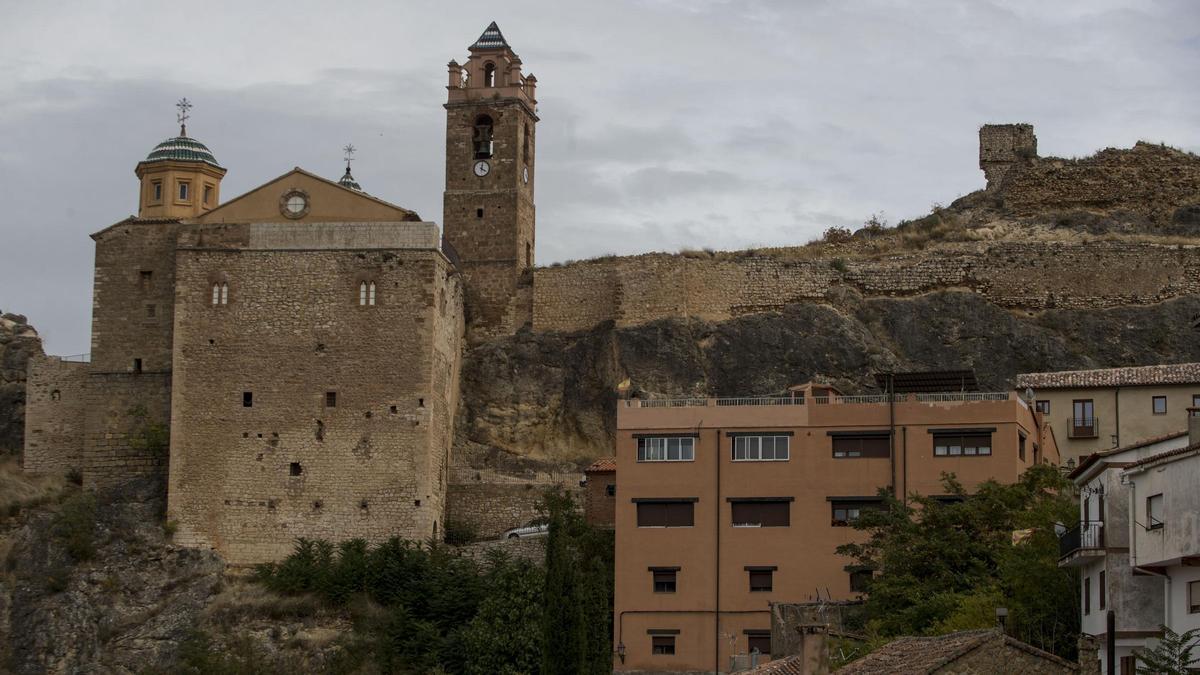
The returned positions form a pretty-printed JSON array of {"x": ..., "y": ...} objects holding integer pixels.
[
  {"x": 754, "y": 448},
  {"x": 661, "y": 449},
  {"x": 1154, "y": 511}
]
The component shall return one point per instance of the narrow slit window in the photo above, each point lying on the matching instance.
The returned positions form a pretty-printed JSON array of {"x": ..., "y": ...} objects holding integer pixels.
[
  {"x": 247, "y": 399},
  {"x": 331, "y": 399},
  {"x": 184, "y": 191},
  {"x": 224, "y": 294},
  {"x": 216, "y": 294},
  {"x": 371, "y": 293}
]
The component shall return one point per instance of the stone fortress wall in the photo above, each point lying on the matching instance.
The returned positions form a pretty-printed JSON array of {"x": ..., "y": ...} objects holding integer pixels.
[
  {"x": 55, "y": 396},
  {"x": 1016, "y": 275}
]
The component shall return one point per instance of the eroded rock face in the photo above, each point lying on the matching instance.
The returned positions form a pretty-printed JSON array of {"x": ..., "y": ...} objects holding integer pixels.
[
  {"x": 18, "y": 341},
  {"x": 125, "y": 610},
  {"x": 552, "y": 396}
]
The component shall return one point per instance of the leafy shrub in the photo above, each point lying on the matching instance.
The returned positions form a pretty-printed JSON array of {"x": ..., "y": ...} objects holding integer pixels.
[
  {"x": 75, "y": 526},
  {"x": 460, "y": 532},
  {"x": 170, "y": 528},
  {"x": 152, "y": 438},
  {"x": 837, "y": 235}
]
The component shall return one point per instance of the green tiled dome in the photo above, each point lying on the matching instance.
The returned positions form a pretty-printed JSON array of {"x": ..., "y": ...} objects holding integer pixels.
[
  {"x": 348, "y": 181},
  {"x": 182, "y": 149}
]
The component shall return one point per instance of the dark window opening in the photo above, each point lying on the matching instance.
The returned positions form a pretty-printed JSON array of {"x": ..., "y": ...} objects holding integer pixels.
[
  {"x": 146, "y": 277},
  {"x": 489, "y": 75},
  {"x": 393, "y": 410},
  {"x": 331, "y": 399},
  {"x": 55, "y": 395},
  {"x": 1083, "y": 419},
  {"x": 320, "y": 430},
  {"x": 525, "y": 144},
  {"x": 1100, "y": 590},
  {"x": 1159, "y": 405},
  {"x": 610, "y": 490},
  {"x": 183, "y": 191},
  {"x": 662, "y": 644},
  {"x": 368, "y": 414},
  {"x": 483, "y": 137},
  {"x": 247, "y": 399},
  {"x": 665, "y": 514},
  {"x": 758, "y": 641},
  {"x": 873, "y": 445},
  {"x": 208, "y": 191},
  {"x": 962, "y": 445},
  {"x": 1021, "y": 447},
  {"x": 363, "y": 505},
  {"x": 157, "y": 190},
  {"x": 295, "y": 469},
  {"x": 1154, "y": 512},
  {"x": 761, "y": 581},
  {"x": 860, "y": 581},
  {"x": 420, "y": 403},
  {"x": 478, "y": 213},
  {"x": 1194, "y": 597},
  {"x": 137, "y": 365},
  {"x": 761, "y": 514},
  {"x": 1087, "y": 595},
  {"x": 1042, "y": 407},
  {"x": 416, "y": 502},
  {"x": 318, "y": 505},
  {"x": 664, "y": 581}
]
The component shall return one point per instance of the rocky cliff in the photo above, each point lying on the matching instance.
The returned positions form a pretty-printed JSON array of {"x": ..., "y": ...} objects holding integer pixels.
[
  {"x": 552, "y": 396},
  {"x": 18, "y": 341}
]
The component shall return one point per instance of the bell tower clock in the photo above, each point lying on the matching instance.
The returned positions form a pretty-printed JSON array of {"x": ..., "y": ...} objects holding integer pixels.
[{"x": 488, "y": 211}]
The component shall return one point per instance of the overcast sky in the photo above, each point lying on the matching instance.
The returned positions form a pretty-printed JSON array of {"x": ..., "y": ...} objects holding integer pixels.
[{"x": 666, "y": 124}]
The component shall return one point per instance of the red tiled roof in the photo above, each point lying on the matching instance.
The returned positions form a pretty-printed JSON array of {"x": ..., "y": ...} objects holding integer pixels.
[
  {"x": 928, "y": 654},
  {"x": 1097, "y": 456},
  {"x": 1173, "y": 373},
  {"x": 602, "y": 465},
  {"x": 1163, "y": 455}
]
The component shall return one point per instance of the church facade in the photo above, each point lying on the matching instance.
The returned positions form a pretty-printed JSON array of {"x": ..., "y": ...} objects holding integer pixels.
[{"x": 289, "y": 359}]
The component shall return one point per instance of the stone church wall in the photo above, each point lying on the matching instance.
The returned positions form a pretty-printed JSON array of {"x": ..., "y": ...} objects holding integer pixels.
[
  {"x": 124, "y": 414},
  {"x": 54, "y": 410},
  {"x": 1030, "y": 276},
  {"x": 346, "y": 430}
]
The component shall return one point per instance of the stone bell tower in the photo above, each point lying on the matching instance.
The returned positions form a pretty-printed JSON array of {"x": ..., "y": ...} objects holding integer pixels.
[{"x": 488, "y": 211}]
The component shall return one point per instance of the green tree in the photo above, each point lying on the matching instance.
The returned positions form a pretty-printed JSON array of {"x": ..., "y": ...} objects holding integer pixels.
[
  {"x": 505, "y": 637},
  {"x": 946, "y": 565},
  {"x": 1175, "y": 654}
]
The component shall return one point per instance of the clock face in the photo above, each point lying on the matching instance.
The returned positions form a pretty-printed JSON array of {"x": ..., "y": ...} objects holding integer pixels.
[
  {"x": 525, "y": 174},
  {"x": 482, "y": 168}
]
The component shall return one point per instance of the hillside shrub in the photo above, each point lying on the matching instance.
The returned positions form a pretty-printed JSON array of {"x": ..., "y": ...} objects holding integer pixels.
[{"x": 75, "y": 526}]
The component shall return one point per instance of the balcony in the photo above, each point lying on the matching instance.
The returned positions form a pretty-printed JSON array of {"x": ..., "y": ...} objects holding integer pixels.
[
  {"x": 1084, "y": 427},
  {"x": 1080, "y": 544},
  {"x": 873, "y": 399}
]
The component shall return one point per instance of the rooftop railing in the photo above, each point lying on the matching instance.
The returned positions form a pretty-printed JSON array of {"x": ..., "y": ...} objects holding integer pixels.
[
  {"x": 867, "y": 399},
  {"x": 77, "y": 358}
]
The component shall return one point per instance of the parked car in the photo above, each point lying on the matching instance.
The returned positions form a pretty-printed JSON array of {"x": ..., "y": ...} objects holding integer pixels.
[{"x": 537, "y": 527}]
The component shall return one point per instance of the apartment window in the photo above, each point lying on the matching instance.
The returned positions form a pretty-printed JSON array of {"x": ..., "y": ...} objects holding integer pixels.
[
  {"x": 760, "y": 448},
  {"x": 761, "y": 578},
  {"x": 366, "y": 293},
  {"x": 662, "y": 644},
  {"x": 860, "y": 581},
  {"x": 331, "y": 399},
  {"x": 1159, "y": 405},
  {"x": 1102, "y": 590},
  {"x": 848, "y": 445},
  {"x": 962, "y": 443},
  {"x": 1194, "y": 597},
  {"x": 664, "y": 579},
  {"x": 1129, "y": 665},
  {"x": 1196, "y": 400},
  {"x": 665, "y": 512},
  {"x": 184, "y": 190},
  {"x": 770, "y": 512},
  {"x": 1087, "y": 595},
  {"x": 1154, "y": 512},
  {"x": 1020, "y": 446},
  {"x": 846, "y": 511},
  {"x": 758, "y": 641},
  {"x": 1042, "y": 407},
  {"x": 156, "y": 186},
  {"x": 666, "y": 449}
]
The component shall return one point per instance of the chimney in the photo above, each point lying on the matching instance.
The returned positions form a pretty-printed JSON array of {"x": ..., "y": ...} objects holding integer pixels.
[
  {"x": 1193, "y": 426},
  {"x": 814, "y": 649}
]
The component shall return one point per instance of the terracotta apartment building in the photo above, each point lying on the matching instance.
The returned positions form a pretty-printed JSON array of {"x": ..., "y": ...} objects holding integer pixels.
[{"x": 725, "y": 505}]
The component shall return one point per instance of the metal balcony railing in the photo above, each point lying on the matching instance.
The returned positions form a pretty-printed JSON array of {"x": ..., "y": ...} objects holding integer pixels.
[
  {"x": 1082, "y": 537},
  {"x": 1084, "y": 427}
]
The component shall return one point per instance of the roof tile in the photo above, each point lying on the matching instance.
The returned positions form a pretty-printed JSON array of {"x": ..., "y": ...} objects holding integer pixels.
[{"x": 1172, "y": 373}]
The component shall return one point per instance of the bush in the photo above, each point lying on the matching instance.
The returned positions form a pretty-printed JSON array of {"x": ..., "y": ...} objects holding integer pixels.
[
  {"x": 75, "y": 476},
  {"x": 75, "y": 526},
  {"x": 837, "y": 235},
  {"x": 460, "y": 532},
  {"x": 838, "y": 264},
  {"x": 170, "y": 528}
]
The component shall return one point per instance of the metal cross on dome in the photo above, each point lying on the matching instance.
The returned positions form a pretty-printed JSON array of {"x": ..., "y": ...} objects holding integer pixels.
[
  {"x": 184, "y": 106},
  {"x": 349, "y": 149}
]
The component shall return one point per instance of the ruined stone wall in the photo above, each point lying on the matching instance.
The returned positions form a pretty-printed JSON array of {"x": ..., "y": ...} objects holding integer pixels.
[
  {"x": 1003, "y": 145},
  {"x": 1016, "y": 275},
  {"x": 492, "y": 503},
  {"x": 125, "y": 413},
  {"x": 19, "y": 343},
  {"x": 54, "y": 411},
  {"x": 298, "y": 412},
  {"x": 1152, "y": 179}
]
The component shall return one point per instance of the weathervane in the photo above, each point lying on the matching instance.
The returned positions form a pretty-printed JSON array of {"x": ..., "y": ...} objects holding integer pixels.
[
  {"x": 184, "y": 106},
  {"x": 349, "y": 149}
]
